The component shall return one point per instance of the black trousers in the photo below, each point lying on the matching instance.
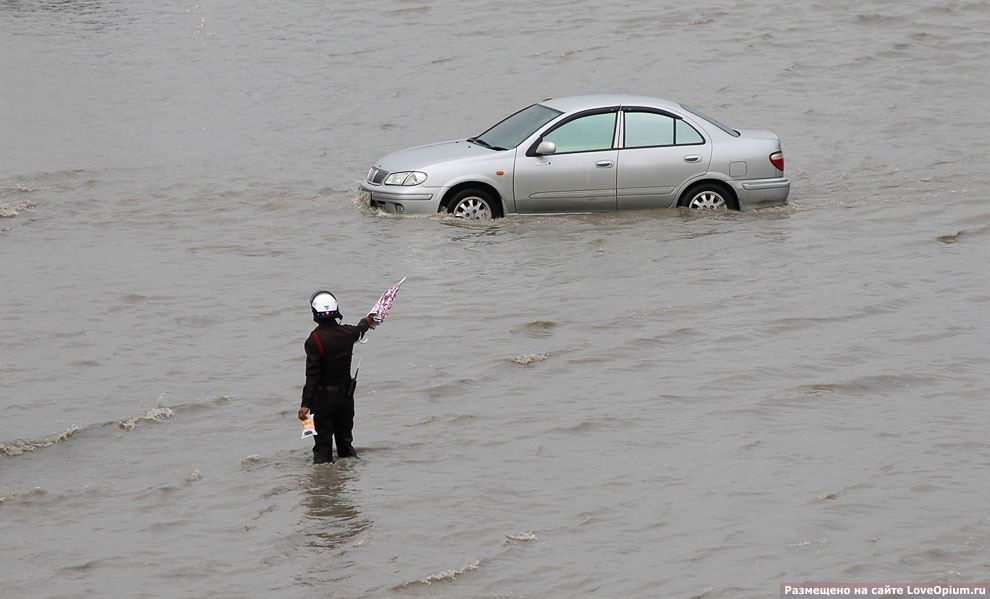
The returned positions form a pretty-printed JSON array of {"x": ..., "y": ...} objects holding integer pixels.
[{"x": 334, "y": 419}]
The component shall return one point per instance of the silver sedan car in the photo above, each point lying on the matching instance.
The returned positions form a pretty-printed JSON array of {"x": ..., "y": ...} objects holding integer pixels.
[{"x": 586, "y": 154}]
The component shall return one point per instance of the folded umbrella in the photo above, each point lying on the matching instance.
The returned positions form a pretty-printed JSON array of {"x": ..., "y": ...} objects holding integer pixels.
[{"x": 381, "y": 308}]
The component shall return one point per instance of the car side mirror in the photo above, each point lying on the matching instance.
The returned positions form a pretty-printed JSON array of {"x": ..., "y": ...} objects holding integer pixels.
[{"x": 546, "y": 147}]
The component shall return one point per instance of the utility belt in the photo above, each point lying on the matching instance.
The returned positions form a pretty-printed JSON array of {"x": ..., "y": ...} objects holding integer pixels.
[{"x": 348, "y": 387}]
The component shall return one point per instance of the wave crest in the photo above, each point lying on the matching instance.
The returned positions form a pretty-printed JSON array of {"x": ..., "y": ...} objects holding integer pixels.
[
  {"x": 446, "y": 575},
  {"x": 528, "y": 535},
  {"x": 12, "y": 210},
  {"x": 21, "y": 446},
  {"x": 156, "y": 414},
  {"x": 529, "y": 359}
]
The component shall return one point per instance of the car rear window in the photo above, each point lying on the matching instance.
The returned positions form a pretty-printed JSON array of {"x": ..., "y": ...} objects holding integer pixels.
[{"x": 718, "y": 124}]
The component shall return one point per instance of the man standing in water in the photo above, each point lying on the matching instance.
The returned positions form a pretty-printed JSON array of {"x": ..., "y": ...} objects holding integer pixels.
[{"x": 329, "y": 390}]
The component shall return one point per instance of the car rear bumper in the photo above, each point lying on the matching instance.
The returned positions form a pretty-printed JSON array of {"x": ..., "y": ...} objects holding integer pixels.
[
  {"x": 761, "y": 193},
  {"x": 403, "y": 200}
]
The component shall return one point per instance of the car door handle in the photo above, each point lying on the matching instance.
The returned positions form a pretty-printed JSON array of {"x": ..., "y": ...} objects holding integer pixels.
[
  {"x": 692, "y": 158},
  {"x": 604, "y": 164}
]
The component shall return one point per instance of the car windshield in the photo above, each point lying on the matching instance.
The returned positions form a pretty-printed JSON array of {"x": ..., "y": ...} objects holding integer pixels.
[
  {"x": 513, "y": 130},
  {"x": 718, "y": 124}
]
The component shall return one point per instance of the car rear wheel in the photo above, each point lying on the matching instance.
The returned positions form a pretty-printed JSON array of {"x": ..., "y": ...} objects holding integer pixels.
[
  {"x": 472, "y": 204},
  {"x": 709, "y": 197}
]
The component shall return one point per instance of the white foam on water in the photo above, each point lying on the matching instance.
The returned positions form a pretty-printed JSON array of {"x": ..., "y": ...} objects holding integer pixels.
[
  {"x": 528, "y": 535},
  {"x": 444, "y": 576},
  {"x": 12, "y": 210},
  {"x": 361, "y": 199},
  {"x": 157, "y": 414},
  {"x": 528, "y": 359},
  {"x": 21, "y": 446},
  {"x": 34, "y": 492}
]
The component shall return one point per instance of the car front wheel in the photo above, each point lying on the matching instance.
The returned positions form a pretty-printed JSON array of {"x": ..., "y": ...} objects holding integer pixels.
[
  {"x": 472, "y": 204},
  {"x": 709, "y": 197}
]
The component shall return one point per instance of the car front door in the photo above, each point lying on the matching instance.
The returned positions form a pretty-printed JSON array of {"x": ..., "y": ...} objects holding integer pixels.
[
  {"x": 659, "y": 153},
  {"x": 579, "y": 176}
]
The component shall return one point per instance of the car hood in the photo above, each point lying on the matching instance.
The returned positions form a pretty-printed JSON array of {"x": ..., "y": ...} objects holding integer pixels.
[{"x": 422, "y": 157}]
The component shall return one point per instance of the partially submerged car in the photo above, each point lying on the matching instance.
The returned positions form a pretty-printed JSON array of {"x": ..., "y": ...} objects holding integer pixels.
[{"x": 586, "y": 154}]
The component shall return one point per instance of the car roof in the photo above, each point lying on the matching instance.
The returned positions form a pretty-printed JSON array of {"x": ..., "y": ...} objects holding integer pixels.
[{"x": 572, "y": 103}]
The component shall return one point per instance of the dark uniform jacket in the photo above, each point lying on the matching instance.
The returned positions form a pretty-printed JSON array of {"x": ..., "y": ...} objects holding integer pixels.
[{"x": 329, "y": 371}]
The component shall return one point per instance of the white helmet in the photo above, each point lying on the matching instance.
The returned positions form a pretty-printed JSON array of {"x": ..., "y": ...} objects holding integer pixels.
[{"x": 324, "y": 306}]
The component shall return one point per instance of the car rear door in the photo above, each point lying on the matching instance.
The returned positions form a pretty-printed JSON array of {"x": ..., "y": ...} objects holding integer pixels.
[
  {"x": 580, "y": 176},
  {"x": 659, "y": 152}
]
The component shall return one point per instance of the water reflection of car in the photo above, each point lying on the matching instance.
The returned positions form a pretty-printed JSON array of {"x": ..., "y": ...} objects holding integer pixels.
[{"x": 586, "y": 154}]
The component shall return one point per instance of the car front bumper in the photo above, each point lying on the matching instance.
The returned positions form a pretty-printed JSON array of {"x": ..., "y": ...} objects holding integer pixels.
[
  {"x": 761, "y": 193},
  {"x": 414, "y": 200}
]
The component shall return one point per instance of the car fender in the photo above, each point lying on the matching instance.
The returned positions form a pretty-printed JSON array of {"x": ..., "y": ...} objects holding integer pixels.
[
  {"x": 503, "y": 187},
  {"x": 709, "y": 176}
]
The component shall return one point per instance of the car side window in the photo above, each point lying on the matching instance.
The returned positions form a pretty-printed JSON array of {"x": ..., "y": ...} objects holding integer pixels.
[
  {"x": 687, "y": 135},
  {"x": 584, "y": 134},
  {"x": 644, "y": 129},
  {"x": 649, "y": 129}
]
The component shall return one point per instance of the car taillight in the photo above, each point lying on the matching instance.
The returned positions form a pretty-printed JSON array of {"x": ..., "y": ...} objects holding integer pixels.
[{"x": 777, "y": 159}]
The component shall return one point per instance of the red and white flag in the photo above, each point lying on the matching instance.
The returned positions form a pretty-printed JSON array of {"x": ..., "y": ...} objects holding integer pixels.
[{"x": 384, "y": 304}]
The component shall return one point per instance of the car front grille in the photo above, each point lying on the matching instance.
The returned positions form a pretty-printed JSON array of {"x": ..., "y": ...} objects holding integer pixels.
[{"x": 376, "y": 175}]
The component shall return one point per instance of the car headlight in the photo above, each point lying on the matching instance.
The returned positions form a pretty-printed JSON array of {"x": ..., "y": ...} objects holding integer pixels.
[{"x": 405, "y": 178}]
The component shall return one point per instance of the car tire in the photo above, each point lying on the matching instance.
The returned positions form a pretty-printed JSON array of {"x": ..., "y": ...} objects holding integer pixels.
[
  {"x": 709, "y": 196},
  {"x": 472, "y": 204}
]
